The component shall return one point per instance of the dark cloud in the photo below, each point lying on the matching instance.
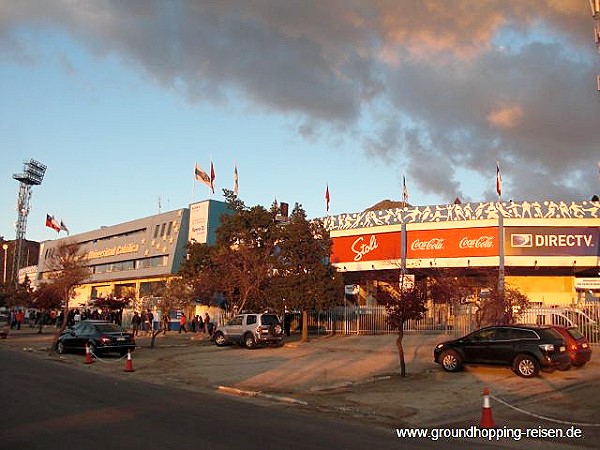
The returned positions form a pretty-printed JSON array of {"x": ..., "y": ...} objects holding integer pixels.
[{"x": 450, "y": 85}]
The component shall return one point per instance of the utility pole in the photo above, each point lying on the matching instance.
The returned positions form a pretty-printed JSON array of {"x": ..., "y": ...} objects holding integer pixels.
[{"x": 595, "y": 7}]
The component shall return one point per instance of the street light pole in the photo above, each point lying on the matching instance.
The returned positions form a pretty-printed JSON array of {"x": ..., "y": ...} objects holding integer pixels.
[{"x": 5, "y": 248}]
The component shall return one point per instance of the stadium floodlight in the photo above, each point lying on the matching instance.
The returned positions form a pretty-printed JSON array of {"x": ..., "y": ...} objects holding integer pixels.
[{"x": 32, "y": 175}]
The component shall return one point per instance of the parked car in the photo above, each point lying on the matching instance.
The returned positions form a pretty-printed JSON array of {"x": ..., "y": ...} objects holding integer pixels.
[
  {"x": 250, "y": 330},
  {"x": 577, "y": 345},
  {"x": 101, "y": 336},
  {"x": 564, "y": 317},
  {"x": 525, "y": 348}
]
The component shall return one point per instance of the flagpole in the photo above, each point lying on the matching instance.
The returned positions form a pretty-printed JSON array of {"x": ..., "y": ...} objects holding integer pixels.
[{"x": 194, "y": 181}]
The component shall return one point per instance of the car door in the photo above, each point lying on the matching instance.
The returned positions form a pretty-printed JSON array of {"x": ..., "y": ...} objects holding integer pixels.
[
  {"x": 82, "y": 335},
  {"x": 72, "y": 337},
  {"x": 501, "y": 347},
  {"x": 234, "y": 327},
  {"x": 476, "y": 346}
]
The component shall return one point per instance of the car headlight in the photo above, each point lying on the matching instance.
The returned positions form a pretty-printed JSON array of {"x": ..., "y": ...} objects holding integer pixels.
[{"x": 439, "y": 346}]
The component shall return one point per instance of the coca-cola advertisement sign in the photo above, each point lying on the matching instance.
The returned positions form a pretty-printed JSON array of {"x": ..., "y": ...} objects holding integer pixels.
[{"x": 452, "y": 243}]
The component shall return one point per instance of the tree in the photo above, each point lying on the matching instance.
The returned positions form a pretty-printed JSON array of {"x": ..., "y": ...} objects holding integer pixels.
[
  {"x": 501, "y": 307},
  {"x": 259, "y": 263},
  {"x": 19, "y": 295},
  {"x": 401, "y": 304},
  {"x": 45, "y": 298},
  {"x": 68, "y": 270},
  {"x": 240, "y": 262}
]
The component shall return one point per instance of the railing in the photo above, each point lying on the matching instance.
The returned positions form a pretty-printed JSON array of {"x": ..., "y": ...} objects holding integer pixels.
[{"x": 349, "y": 320}]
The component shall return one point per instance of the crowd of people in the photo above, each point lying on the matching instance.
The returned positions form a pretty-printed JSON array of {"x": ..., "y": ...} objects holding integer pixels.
[
  {"x": 144, "y": 323},
  {"x": 34, "y": 318}
]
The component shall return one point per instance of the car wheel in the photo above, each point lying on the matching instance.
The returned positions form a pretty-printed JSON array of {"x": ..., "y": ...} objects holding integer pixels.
[
  {"x": 451, "y": 361},
  {"x": 249, "y": 341},
  {"x": 60, "y": 348},
  {"x": 220, "y": 339},
  {"x": 526, "y": 366}
]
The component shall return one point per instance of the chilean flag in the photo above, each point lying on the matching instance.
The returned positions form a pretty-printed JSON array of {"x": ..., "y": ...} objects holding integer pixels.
[
  {"x": 52, "y": 223},
  {"x": 327, "y": 197}
]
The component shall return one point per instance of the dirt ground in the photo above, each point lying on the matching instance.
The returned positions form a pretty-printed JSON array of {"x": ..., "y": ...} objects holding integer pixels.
[{"x": 357, "y": 376}]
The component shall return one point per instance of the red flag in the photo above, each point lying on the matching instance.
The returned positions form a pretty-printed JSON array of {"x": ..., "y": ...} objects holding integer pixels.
[
  {"x": 498, "y": 179},
  {"x": 52, "y": 223},
  {"x": 327, "y": 197},
  {"x": 212, "y": 177}
]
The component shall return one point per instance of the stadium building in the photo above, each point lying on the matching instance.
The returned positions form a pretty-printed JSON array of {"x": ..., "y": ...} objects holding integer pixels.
[
  {"x": 134, "y": 259},
  {"x": 548, "y": 250}
]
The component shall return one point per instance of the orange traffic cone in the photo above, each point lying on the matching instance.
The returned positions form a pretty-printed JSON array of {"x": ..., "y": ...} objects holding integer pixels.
[
  {"x": 88, "y": 355},
  {"x": 486, "y": 412},
  {"x": 129, "y": 363}
]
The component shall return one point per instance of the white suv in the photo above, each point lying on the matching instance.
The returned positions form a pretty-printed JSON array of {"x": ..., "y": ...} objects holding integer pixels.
[{"x": 250, "y": 330}]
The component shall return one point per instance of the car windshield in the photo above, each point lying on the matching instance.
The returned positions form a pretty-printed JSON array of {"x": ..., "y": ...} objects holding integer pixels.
[
  {"x": 554, "y": 334},
  {"x": 108, "y": 328},
  {"x": 269, "y": 319}
]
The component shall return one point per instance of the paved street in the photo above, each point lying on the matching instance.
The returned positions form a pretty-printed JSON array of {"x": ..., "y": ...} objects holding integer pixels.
[{"x": 354, "y": 379}]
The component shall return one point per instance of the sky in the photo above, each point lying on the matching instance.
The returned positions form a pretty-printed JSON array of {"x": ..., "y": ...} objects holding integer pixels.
[{"x": 119, "y": 99}]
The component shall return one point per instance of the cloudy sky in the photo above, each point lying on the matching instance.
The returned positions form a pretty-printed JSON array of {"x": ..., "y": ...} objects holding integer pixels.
[{"x": 119, "y": 98}]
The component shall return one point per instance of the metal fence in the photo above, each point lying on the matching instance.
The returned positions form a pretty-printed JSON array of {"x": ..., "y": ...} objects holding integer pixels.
[{"x": 458, "y": 320}]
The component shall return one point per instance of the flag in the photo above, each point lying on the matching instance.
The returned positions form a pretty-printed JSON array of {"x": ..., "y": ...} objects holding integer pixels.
[
  {"x": 202, "y": 176},
  {"x": 236, "y": 185},
  {"x": 327, "y": 197},
  {"x": 63, "y": 227},
  {"x": 404, "y": 191},
  {"x": 51, "y": 223},
  {"x": 498, "y": 179},
  {"x": 212, "y": 177}
]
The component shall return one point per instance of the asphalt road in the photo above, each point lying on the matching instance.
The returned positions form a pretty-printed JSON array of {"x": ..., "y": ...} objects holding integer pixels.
[{"x": 49, "y": 405}]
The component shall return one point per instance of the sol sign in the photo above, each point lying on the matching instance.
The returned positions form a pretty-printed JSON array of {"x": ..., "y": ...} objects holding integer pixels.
[{"x": 366, "y": 247}]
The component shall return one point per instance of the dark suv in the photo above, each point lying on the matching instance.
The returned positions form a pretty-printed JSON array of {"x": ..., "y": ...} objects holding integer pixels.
[{"x": 525, "y": 348}]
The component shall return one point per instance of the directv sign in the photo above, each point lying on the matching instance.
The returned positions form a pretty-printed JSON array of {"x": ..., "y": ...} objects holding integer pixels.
[{"x": 551, "y": 241}]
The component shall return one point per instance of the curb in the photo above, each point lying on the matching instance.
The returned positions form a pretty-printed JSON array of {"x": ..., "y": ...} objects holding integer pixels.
[{"x": 246, "y": 393}]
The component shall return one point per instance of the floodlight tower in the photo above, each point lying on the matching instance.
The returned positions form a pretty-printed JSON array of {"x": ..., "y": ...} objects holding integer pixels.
[{"x": 33, "y": 174}]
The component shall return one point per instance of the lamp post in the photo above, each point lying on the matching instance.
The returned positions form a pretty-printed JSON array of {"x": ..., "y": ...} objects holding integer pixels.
[{"x": 5, "y": 248}]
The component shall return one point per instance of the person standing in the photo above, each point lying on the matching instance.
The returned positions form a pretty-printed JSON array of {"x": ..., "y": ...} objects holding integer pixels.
[
  {"x": 150, "y": 317},
  {"x": 136, "y": 320},
  {"x": 20, "y": 316},
  {"x": 166, "y": 321},
  {"x": 182, "y": 322},
  {"x": 207, "y": 328}
]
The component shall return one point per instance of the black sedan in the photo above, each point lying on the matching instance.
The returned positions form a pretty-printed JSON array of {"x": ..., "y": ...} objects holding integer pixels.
[
  {"x": 524, "y": 348},
  {"x": 100, "y": 336}
]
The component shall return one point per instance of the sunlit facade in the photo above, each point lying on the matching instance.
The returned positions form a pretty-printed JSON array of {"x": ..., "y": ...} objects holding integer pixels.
[{"x": 549, "y": 250}]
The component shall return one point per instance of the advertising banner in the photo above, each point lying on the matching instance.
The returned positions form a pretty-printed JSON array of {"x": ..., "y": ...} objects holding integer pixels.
[
  {"x": 199, "y": 222},
  {"x": 551, "y": 241},
  {"x": 452, "y": 243},
  {"x": 366, "y": 247}
]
